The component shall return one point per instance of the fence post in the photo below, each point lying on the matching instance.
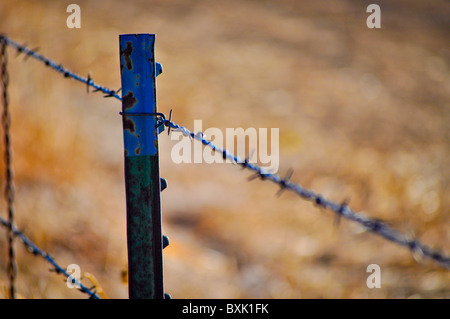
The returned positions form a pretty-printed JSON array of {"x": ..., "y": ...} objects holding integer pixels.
[{"x": 142, "y": 181}]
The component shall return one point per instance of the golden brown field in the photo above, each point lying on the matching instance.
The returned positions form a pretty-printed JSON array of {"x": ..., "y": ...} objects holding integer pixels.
[{"x": 363, "y": 114}]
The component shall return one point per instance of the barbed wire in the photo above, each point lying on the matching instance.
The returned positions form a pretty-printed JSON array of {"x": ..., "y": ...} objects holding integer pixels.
[
  {"x": 35, "y": 250},
  {"x": 60, "y": 68},
  {"x": 376, "y": 226},
  {"x": 9, "y": 186}
]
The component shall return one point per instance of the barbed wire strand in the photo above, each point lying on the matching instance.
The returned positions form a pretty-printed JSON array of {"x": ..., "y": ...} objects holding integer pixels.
[
  {"x": 35, "y": 250},
  {"x": 376, "y": 226},
  {"x": 60, "y": 68},
  {"x": 9, "y": 186}
]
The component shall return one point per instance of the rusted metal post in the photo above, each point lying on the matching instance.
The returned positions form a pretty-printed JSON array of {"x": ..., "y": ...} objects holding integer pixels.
[{"x": 142, "y": 181}]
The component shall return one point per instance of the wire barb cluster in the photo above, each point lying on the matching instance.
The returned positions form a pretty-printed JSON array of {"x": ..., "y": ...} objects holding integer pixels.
[
  {"x": 35, "y": 250},
  {"x": 341, "y": 210},
  {"x": 60, "y": 68}
]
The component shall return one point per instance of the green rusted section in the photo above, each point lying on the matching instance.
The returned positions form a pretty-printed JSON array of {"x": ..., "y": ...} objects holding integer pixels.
[{"x": 143, "y": 228}]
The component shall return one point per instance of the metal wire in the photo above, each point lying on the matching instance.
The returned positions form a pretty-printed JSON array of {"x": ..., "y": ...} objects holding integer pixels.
[
  {"x": 341, "y": 210},
  {"x": 9, "y": 187},
  {"x": 60, "y": 68},
  {"x": 35, "y": 250}
]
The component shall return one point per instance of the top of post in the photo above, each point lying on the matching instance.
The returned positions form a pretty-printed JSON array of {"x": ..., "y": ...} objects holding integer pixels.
[{"x": 138, "y": 72}]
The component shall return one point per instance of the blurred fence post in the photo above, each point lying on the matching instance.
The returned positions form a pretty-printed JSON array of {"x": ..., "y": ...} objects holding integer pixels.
[{"x": 142, "y": 181}]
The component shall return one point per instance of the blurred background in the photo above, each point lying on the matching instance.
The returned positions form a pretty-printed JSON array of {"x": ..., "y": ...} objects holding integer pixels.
[{"x": 363, "y": 115}]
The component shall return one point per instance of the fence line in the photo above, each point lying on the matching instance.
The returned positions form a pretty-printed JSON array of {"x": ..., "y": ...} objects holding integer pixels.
[
  {"x": 35, "y": 250},
  {"x": 60, "y": 68},
  {"x": 9, "y": 187},
  {"x": 341, "y": 210},
  {"x": 376, "y": 226}
]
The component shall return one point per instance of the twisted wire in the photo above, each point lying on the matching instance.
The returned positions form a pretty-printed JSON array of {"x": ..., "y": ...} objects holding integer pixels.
[
  {"x": 9, "y": 187},
  {"x": 60, "y": 68},
  {"x": 35, "y": 250},
  {"x": 375, "y": 226}
]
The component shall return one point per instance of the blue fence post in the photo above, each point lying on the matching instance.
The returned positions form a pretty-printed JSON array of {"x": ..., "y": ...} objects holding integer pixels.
[{"x": 142, "y": 181}]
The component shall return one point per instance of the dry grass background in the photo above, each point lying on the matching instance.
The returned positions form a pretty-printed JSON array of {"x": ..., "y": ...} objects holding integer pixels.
[{"x": 363, "y": 114}]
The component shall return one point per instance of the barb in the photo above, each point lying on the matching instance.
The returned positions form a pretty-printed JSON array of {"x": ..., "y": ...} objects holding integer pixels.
[
  {"x": 60, "y": 68},
  {"x": 35, "y": 250},
  {"x": 9, "y": 187},
  {"x": 341, "y": 210}
]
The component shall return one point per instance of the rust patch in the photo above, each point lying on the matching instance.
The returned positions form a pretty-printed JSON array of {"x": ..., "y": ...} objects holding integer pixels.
[
  {"x": 128, "y": 124},
  {"x": 137, "y": 150},
  {"x": 128, "y": 101},
  {"x": 126, "y": 54}
]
